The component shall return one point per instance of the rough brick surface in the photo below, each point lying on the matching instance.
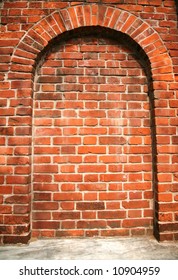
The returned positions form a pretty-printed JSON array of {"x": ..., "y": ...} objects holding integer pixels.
[
  {"x": 88, "y": 119},
  {"x": 98, "y": 149}
]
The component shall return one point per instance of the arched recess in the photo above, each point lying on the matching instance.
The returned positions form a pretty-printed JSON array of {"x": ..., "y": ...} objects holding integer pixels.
[
  {"x": 40, "y": 35},
  {"x": 60, "y": 22}
]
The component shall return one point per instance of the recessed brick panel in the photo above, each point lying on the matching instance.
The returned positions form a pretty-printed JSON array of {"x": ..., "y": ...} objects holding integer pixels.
[{"x": 95, "y": 142}]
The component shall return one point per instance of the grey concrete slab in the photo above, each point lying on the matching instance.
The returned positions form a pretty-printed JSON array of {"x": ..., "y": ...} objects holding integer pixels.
[{"x": 92, "y": 249}]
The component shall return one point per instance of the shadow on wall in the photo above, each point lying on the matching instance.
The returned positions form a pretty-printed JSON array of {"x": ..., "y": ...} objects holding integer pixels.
[
  {"x": 1, "y": 3},
  {"x": 176, "y": 2}
]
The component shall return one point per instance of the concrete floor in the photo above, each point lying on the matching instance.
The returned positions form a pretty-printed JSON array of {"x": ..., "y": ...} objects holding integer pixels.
[{"x": 92, "y": 249}]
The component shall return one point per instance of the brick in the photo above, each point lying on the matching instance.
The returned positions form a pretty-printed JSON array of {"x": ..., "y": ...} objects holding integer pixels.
[
  {"x": 112, "y": 140},
  {"x": 68, "y": 159},
  {"x": 68, "y": 178},
  {"x": 68, "y": 150},
  {"x": 68, "y": 169},
  {"x": 115, "y": 232},
  {"x": 66, "y": 140},
  {"x": 134, "y": 213},
  {"x": 22, "y": 170},
  {"x": 137, "y": 167},
  {"x": 48, "y": 95},
  {"x": 135, "y": 204},
  {"x": 46, "y": 169},
  {"x": 113, "y": 196},
  {"x": 14, "y": 219},
  {"x": 67, "y": 196},
  {"x": 90, "y": 196},
  {"x": 5, "y": 189},
  {"x": 17, "y": 199},
  {"x": 90, "y": 206},
  {"x": 46, "y": 150},
  {"x": 92, "y": 131},
  {"x": 112, "y": 205},
  {"x": 91, "y": 224},
  {"x": 111, "y": 214},
  {"x": 115, "y": 186},
  {"x": 165, "y": 197},
  {"x": 136, "y": 223},
  {"x": 10, "y": 239},
  {"x": 91, "y": 178},
  {"x": 137, "y": 186},
  {"x": 112, "y": 159},
  {"x": 42, "y": 141},
  {"x": 6, "y": 229},
  {"x": 66, "y": 122},
  {"x": 89, "y": 140},
  {"x": 66, "y": 216},
  {"x": 5, "y": 209},
  {"x": 115, "y": 168},
  {"x": 42, "y": 178},
  {"x": 112, "y": 177},
  {"x": 46, "y": 225},
  {"x": 19, "y": 141},
  {"x": 92, "y": 187},
  {"x": 89, "y": 214},
  {"x": 20, "y": 180},
  {"x": 42, "y": 216},
  {"x": 92, "y": 113},
  {"x": 45, "y": 206},
  {"x": 67, "y": 205},
  {"x": 70, "y": 233},
  {"x": 6, "y": 170},
  {"x": 91, "y": 168},
  {"x": 92, "y": 150}
]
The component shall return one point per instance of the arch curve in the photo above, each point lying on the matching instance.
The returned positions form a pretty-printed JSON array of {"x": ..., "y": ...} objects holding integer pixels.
[{"x": 58, "y": 22}]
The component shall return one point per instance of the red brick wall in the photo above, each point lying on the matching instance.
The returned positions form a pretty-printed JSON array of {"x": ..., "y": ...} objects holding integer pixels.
[
  {"x": 88, "y": 119},
  {"x": 92, "y": 154}
]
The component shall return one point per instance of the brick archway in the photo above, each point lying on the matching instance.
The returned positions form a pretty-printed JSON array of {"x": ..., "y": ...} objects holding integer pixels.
[
  {"x": 70, "y": 18},
  {"x": 23, "y": 62}
]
